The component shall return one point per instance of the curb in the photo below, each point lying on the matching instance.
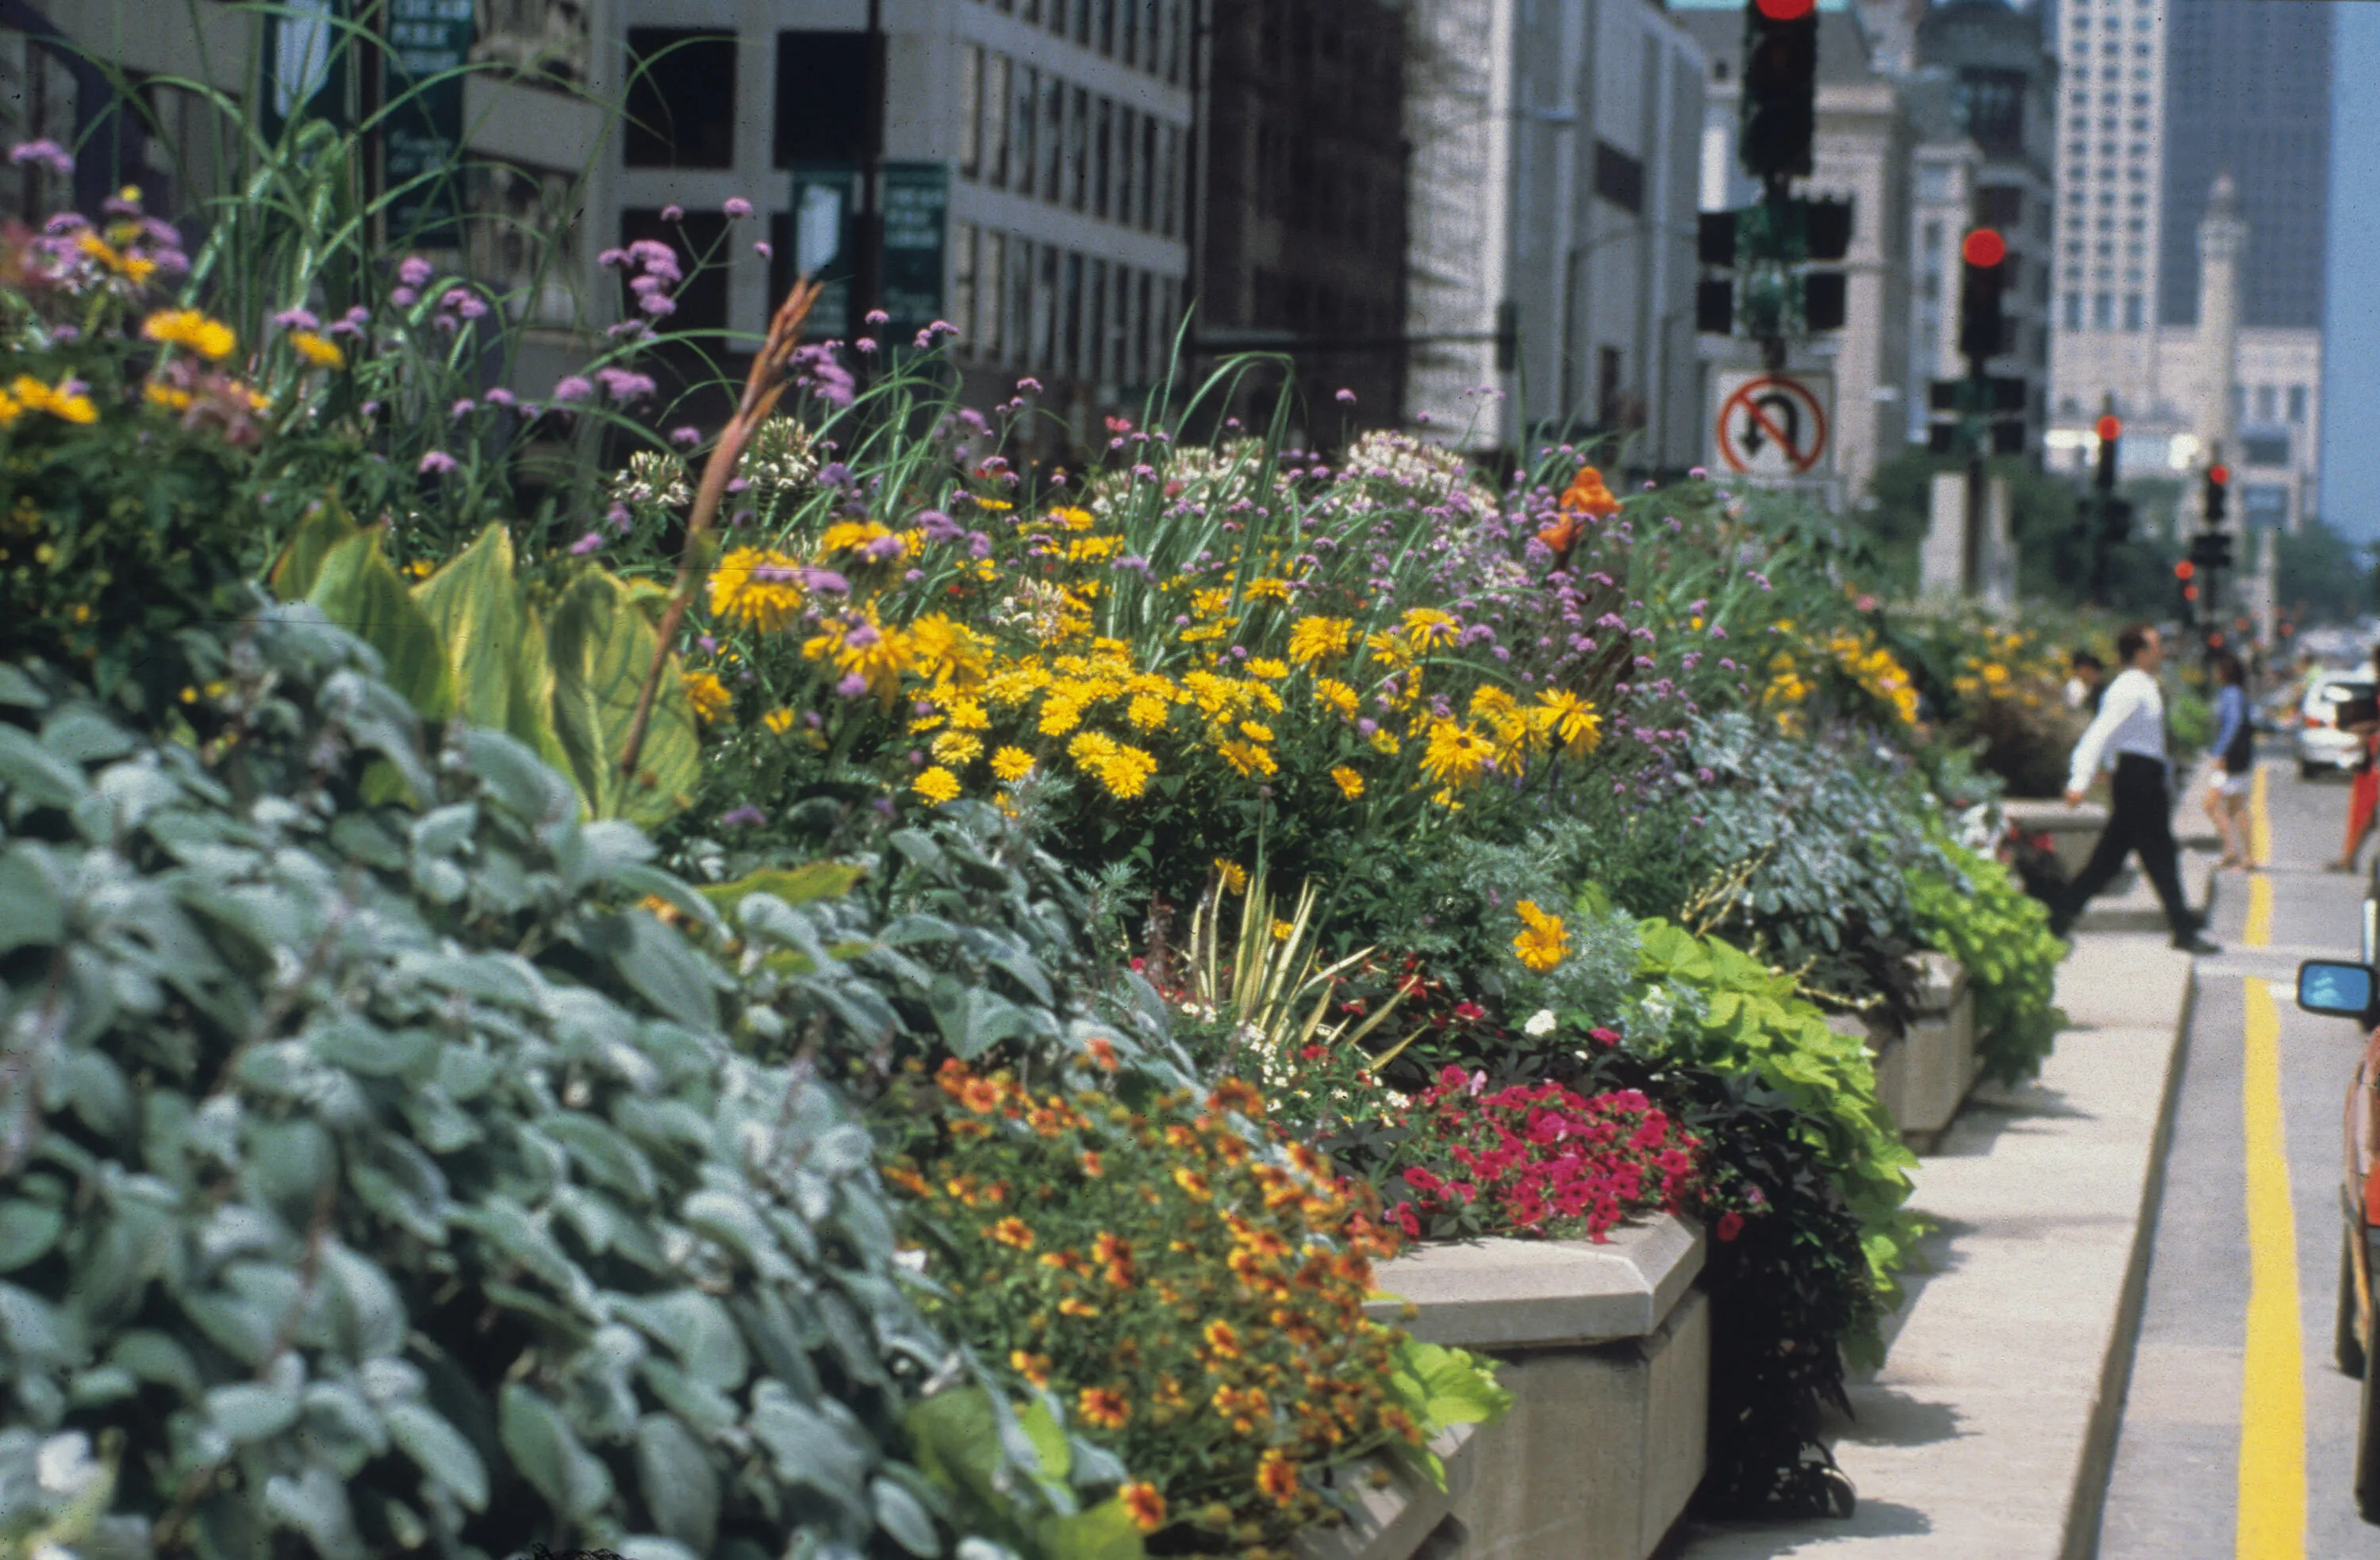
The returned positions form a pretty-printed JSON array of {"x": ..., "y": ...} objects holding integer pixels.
[{"x": 2087, "y": 1505}]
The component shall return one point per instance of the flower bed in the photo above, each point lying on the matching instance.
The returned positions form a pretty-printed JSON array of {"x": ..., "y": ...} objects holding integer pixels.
[{"x": 837, "y": 799}]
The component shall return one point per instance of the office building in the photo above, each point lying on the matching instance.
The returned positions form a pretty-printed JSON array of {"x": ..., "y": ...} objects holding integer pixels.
[
  {"x": 1551, "y": 262},
  {"x": 2162, "y": 100}
]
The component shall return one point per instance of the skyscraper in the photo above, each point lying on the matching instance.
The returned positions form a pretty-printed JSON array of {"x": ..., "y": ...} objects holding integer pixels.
[
  {"x": 2248, "y": 93},
  {"x": 2159, "y": 99}
]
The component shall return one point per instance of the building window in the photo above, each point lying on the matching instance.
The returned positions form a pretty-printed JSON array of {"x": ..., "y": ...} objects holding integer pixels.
[
  {"x": 1147, "y": 173},
  {"x": 1053, "y": 140},
  {"x": 1619, "y": 178},
  {"x": 1024, "y": 127},
  {"x": 680, "y": 109},
  {"x": 991, "y": 291},
  {"x": 2297, "y": 404},
  {"x": 2265, "y": 403},
  {"x": 970, "y": 112},
  {"x": 963, "y": 313},
  {"x": 1127, "y": 160},
  {"x": 995, "y": 120},
  {"x": 1169, "y": 183},
  {"x": 1078, "y": 150},
  {"x": 2132, "y": 311},
  {"x": 1103, "y": 161},
  {"x": 2102, "y": 311},
  {"x": 821, "y": 111},
  {"x": 1070, "y": 317},
  {"x": 2073, "y": 311}
]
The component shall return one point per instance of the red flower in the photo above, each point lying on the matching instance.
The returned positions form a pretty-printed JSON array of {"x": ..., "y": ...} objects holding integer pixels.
[{"x": 1730, "y": 1225}]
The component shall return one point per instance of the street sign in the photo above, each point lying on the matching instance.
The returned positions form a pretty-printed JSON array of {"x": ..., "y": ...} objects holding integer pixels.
[
  {"x": 820, "y": 238},
  {"x": 428, "y": 43},
  {"x": 1773, "y": 425},
  {"x": 304, "y": 65},
  {"x": 817, "y": 239}
]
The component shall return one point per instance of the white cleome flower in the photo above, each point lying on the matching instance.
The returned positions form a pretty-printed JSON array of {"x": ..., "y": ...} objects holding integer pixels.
[
  {"x": 64, "y": 1465},
  {"x": 1540, "y": 1023}
]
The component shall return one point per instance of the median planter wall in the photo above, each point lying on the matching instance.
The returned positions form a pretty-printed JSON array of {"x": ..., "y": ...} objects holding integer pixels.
[
  {"x": 1923, "y": 1074},
  {"x": 1606, "y": 1349},
  {"x": 2072, "y": 831},
  {"x": 1399, "y": 1514}
]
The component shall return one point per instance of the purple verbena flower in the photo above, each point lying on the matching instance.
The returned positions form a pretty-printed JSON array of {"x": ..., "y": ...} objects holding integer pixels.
[{"x": 437, "y": 463}]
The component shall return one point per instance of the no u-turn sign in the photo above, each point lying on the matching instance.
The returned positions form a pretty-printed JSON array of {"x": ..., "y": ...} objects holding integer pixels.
[{"x": 1773, "y": 425}]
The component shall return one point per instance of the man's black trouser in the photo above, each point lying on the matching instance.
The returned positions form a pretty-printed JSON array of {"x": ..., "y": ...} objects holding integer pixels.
[{"x": 2141, "y": 821}]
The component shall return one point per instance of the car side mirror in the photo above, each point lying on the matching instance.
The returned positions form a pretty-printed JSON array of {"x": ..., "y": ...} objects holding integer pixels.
[{"x": 2339, "y": 989}]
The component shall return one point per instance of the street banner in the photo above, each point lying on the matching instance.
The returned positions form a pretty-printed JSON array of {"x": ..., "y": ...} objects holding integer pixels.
[
  {"x": 916, "y": 225},
  {"x": 818, "y": 237},
  {"x": 428, "y": 43}
]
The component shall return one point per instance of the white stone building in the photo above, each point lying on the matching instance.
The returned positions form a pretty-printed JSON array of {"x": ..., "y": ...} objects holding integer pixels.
[{"x": 1554, "y": 185}]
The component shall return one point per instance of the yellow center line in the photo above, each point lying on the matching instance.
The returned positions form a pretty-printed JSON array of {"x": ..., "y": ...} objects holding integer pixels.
[
  {"x": 2272, "y": 1399},
  {"x": 2258, "y": 932}
]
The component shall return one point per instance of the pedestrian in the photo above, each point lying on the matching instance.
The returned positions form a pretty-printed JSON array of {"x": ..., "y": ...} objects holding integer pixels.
[
  {"x": 2235, "y": 759},
  {"x": 2130, "y": 730},
  {"x": 2360, "y": 720},
  {"x": 2083, "y": 685}
]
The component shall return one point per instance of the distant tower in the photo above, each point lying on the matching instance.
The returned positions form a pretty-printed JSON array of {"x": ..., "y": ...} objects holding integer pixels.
[{"x": 2222, "y": 242}]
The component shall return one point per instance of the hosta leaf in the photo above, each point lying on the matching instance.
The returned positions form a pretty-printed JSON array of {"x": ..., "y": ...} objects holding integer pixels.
[
  {"x": 357, "y": 588},
  {"x": 600, "y": 648}
]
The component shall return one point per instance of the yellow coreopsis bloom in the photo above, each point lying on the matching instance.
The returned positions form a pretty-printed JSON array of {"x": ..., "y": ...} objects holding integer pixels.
[
  {"x": 1091, "y": 749},
  {"x": 957, "y": 749},
  {"x": 1126, "y": 771},
  {"x": 1317, "y": 639},
  {"x": 1456, "y": 754},
  {"x": 945, "y": 650},
  {"x": 1571, "y": 721},
  {"x": 779, "y": 721},
  {"x": 1234, "y": 877},
  {"x": 132, "y": 268},
  {"x": 1350, "y": 783},
  {"x": 1542, "y": 943},
  {"x": 1268, "y": 589},
  {"x": 1427, "y": 627},
  {"x": 1010, "y": 764},
  {"x": 935, "y": 785},
  {"x": 709, "y": 695},
  {"x": 210, "y": 339},
  {"x": 1335, "y": 696},
  {"x": 860, "y": 647},
  {"x": 1147, "y": 711},
  {"x": 319, "y": 351},
  {"x": 59, "y": 402},
  {"x": 1268, "y": 668},
  {"x": 759, "y": 587}
]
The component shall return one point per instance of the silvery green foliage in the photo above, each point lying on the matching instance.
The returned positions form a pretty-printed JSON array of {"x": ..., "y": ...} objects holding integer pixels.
[{"x": 378, "y": 1179}]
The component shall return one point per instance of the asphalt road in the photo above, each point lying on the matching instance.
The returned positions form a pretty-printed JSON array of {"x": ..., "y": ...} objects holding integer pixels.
[{"x": 2210, "y": 1459}]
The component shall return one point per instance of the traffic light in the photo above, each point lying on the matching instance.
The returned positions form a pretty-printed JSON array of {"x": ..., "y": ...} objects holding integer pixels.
[
  {"x": 1984, "y": 257},
  {"x": 1780, "y": 71},
  {"x": 2218, "y": 493},
  {"x": 1757, "y": 276},
  {"x": 2112, "y": 432},
  {"x": 2210, "y": 550}
]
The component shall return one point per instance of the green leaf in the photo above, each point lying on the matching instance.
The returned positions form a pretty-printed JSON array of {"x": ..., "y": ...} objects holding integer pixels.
[
  {"x": 806, "y": 884},
  {"x": 358, "y": 589},
  {"x": 32, "y": 776},
  {"x": 495, "y": 644},
  {"x": 680, "y": 1487},
  {"x": 325, "y": 527},
  {"x": 1104, "y": 1533},
  {"x": 904, "y": 1517},
  {"x": 549, "y": 1453},
  {"x": 600, "y": 648},
  {"x": 27, "y": 1232},
  {"x": 439, "y": 1450},
  {"x": 252, "y": 1410}
]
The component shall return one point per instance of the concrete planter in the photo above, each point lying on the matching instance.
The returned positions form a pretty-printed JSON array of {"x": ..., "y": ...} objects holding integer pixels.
[
  {"x": 1403, "y": 1517},
  {"x": 1606, "y": 1349},
  {"x": 1923, "y": 1074},
  {"x": 2073, "y": 831}
]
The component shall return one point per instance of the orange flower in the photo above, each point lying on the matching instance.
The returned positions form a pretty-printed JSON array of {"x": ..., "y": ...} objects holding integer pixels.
[
  {"x": 1102, "y": 1052},
  {"x": 1105, "y": 1410},
  {"x": 1034, "y": 1368},
  {"x": 1587, "y": 495},
  {"x": 908, "y": 1180},
  {"x": 1093, "y": 1165},
  {"x": 981, "y": 1095},
  {"x": 1194, "y": 1183},
  {"x": 1222, "y": 1339},
  {"x": 1146, "y": 1506},
  {"x": 1237, "y": 1094},
  {"x": 1012, "y": 1231},
  {"x": 1070, "y": 1306},
  {"x": 1277, "y": 1477}
]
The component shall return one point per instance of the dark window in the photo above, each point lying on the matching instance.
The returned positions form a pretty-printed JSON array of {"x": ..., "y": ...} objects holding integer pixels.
[
  {"x": 1999, "y": 205},
  {"x": 1619, "y": 178},
  {"x": 2265, "y": 449},
  {"x": 1607, "y": 362},
  {"x": 1103, "y": 164},
  {"x": 822, "y": 97},
  {"x": 702, "y": 300},
  {"x": 681, "y": 99},
  {"x": 1079, "y": 150},
  {"x": 1990, "y": 105}
]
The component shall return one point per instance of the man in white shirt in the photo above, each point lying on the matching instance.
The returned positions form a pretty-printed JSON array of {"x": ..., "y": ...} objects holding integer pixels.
[{"x": 2129, "y": 736}]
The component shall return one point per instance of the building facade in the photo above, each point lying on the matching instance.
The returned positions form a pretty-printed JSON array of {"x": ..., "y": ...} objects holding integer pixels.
[
  {"x": 2163, "y": 99},
  {"x": 1300, "y": 226},
  {"x": 1860, "y": 152},
  {"x": 1555, "y": 171}
]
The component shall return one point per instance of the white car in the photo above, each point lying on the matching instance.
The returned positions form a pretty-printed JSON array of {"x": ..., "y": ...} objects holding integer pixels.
[{"x": 2323, "y": 748}]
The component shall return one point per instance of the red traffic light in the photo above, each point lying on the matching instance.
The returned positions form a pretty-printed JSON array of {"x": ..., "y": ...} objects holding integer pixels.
[
  {"x": 1786, "y": 10},
  {"x": 2220, "y": 475},
  {"x": 1984, "y": 249},
  {"x": 2110, "y": 429},
  {"x": 2183, "y": 570}
]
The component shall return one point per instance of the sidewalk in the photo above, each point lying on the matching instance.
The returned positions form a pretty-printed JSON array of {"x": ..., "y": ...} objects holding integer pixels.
[{"x": 1988, "y": 1434}]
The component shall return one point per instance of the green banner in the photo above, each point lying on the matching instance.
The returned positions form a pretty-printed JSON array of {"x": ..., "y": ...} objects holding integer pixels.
[
  {"x": 428, "y": 43},
  {"x": 917, "y": 226},
  {"x": 820, "y": 241}
]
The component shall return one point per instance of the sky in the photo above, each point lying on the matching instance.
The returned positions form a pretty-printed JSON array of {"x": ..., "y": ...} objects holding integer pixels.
[{"x": 2351, "y": 391}]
